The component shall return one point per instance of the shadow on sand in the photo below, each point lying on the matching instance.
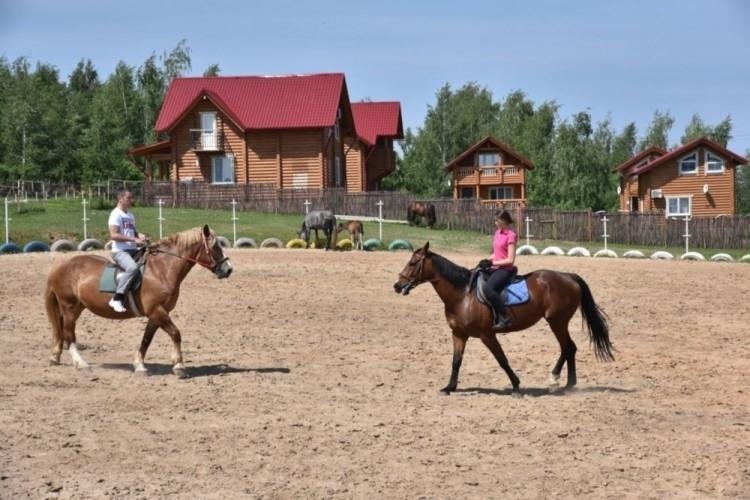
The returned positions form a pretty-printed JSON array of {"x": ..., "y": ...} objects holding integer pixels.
[
  {"x": 538, "y": 392},
  {"x": 193, "y": 371}
]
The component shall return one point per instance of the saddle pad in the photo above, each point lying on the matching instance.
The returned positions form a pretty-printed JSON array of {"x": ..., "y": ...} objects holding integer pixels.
[
  {"x": 108, "y": 279},
  {"x": 516, "y": 293}
]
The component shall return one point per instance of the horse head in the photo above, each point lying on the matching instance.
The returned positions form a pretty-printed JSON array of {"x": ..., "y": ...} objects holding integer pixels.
[
  {"x": 414, "y": 272},
  {"x": 218, "y": 263}
]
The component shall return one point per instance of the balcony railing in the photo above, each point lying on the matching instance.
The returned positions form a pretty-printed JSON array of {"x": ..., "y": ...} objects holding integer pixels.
[
  {"x": 506, "y": 203},
  {"x": 206, "y": 140}
]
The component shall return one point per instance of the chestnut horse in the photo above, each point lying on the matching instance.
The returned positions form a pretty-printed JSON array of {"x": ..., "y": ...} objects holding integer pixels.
[
  {"x": 423, "y": 210},
  {"x": 73, "y": 286},
  {"x": 356, "y": 233},
  {"x": 554, "y": 296}
]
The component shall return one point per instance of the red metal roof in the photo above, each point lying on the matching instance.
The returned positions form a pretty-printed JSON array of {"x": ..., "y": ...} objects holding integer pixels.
[
  {"x": 259, "y": 102},
  {"x": 373, "y": 119},
  {"x": 653, "y": 150}
]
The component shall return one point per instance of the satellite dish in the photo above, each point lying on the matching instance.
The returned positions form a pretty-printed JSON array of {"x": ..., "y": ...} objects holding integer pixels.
[
  {"x": 619, "y": 190},
  {"x": 705, "y": 189}
]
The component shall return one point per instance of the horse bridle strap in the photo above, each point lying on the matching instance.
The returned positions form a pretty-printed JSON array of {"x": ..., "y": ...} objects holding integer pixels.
[
  {"x": 211, "y": 266},
  {"x": 413, "y": 282}
]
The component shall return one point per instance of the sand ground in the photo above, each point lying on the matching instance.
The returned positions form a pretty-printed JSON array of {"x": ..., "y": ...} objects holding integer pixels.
[{"x": 311, "y": 378}]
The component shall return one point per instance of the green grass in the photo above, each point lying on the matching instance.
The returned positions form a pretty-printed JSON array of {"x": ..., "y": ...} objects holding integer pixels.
[{"x": 55, "y": 219}]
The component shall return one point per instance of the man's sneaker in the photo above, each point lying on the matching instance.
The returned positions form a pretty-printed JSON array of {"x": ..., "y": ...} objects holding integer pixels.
[{"x": 117, "y": 306}]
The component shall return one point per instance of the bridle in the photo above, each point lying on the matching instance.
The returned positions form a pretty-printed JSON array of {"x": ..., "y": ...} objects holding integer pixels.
[
  {"x": 212, "y": 265},
  {"x": 412, "y": 283}
]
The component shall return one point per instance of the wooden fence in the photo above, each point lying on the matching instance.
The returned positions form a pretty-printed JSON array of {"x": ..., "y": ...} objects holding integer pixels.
[{"x": 470, "y": 215}]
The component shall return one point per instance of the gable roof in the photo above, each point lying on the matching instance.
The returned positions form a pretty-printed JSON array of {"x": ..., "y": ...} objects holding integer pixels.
[
  {"x": 635, "y": 159},
  {"x": 374, "y": 119},
  {"x": 687, "y": 148},
  {"x": 259, "y": 102},
  {"x": 495, "y": 142}
]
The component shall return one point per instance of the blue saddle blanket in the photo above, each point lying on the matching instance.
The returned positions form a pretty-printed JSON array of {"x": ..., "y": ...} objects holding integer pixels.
[{"x": 516, "y": 293}]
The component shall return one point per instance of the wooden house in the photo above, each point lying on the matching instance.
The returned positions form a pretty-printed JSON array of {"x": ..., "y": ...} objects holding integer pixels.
[
  {"x": 286, "y": 131},
  {"x": 370, "y": 156},
  {"x": 697, "y": 178},
  {"x": 492, "y": 172}
]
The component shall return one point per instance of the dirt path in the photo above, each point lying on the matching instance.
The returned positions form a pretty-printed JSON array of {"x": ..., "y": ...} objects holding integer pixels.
[{"x": 311, "y": 378}]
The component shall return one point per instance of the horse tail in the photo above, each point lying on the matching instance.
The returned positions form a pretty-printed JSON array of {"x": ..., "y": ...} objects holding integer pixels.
[
  {"x": 53, "y": 314},
  {"x": 596, "y": 322}
]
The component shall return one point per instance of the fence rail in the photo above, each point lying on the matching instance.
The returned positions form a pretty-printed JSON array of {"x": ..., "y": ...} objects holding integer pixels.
[{"x": 466, "y": 214}]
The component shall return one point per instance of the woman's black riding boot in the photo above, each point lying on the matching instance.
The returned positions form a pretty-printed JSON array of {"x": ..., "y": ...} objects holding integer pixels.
[{"x": 501, "y": 319}]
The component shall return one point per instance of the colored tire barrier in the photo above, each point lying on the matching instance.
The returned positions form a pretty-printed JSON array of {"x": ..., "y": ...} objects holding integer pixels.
[
  {"x": 662, "y": 255},
  {"x": 634, "y": 254},
  {"x": 63, "y": 246},
  {"x": 223, "y": 242},
  {"x": 372, "y": 244},
  {"x": 35, "y": 246},
  {"x": 90, "y": 244},
  {"x": 295, "y": 243},
  {"x": 606, "y": 253},
  {"x": 345, "y": 244},
  {"x": 578, "y": 252},
  {"x": 722, "y": 257},
  {"x": 9, "y": 248},
  {"x": 692, "y": 256},
  {"x": 527, "y": 250},
  {"x": 745, "y": 258},
  {"x": 245, "y": 243},
  {"x": 553, "y": 251},
  {"x": 272, "y": 243},
  {"x": 400, "y": 245}
]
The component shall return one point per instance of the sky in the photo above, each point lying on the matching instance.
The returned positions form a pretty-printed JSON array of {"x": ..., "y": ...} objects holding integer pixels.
[{"x": 621, "y": 60}]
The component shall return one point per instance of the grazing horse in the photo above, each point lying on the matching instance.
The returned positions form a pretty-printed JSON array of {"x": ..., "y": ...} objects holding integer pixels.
[
  {"x": 74, "y": 286},
  {"x": 554, "y": 296},
  {"x": 423, "y": 210},
  {"x": 319, "y": 219},
  {"x": 356, "y": 233}
]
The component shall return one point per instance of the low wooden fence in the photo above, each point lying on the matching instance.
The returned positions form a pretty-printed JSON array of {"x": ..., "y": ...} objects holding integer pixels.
[{"x": 470, "y": 215}]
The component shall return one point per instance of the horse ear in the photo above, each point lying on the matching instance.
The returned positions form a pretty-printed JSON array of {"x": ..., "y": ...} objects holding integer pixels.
[
  {"x": 206, "y": 231},
  {"x": 426, "y": 246}
]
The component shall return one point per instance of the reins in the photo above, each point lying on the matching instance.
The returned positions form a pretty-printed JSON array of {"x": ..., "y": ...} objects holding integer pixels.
[{"x": 211, "y": 266}]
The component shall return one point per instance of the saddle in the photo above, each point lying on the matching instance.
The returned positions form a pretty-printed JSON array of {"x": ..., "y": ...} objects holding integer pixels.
[
  {"x": 515, "y": 292},
  {"x": 110, "y": 273}
]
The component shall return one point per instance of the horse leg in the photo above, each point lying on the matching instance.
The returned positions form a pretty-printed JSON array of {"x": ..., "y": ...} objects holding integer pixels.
[
  {"x": 140, "y": 355},
  {"x": 55, "y": 319},
  {"x": 567, "y": 354},
  {"x": 459, "y": 344},
  {"x": 164, "y": 321},
  {"x": 70, "y": 315},
  {"x": 494, "y": 346}
]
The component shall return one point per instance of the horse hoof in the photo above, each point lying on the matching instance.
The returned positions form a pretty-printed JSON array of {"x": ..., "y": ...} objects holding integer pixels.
[
  {"x": 140, "y": 372},
  {"x": 53, "y": 362},
  {"x": 83, "y": 366},
  {"x": 446, "y": 391},
  {"x": 180, "y": 372},
  {"x": 516, "y": 394}
]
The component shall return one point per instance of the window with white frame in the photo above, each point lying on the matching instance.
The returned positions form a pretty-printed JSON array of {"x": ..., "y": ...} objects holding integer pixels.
[
  {"x": 222, "y": 170},
  {"x": 679, "y": 205},
  {"x": 487, "y": 159},
  {"x": 689, "y": 164},
  {"x": 500, "y": 192},
  {"x": 714, "y": 164}
]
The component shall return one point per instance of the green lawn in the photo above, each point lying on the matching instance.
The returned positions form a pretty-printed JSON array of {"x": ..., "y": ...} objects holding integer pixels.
[{"x": 55, "y": 219}]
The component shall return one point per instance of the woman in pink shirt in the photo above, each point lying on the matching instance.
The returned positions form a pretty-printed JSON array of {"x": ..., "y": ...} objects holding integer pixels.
[{"x": 503, "y": 257}]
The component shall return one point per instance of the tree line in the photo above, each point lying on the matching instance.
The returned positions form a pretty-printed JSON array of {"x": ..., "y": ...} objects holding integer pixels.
[
  {"x": 573, "y": 158},
  {"x": 77, "y": 132}
]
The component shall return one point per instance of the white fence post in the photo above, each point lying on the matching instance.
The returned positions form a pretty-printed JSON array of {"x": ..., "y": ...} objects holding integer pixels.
[
  {"x": 85, "y": 219},
  {"x": 161, "y": 219},
  {"x": 7, "y": 222},
  {"x": 307, "y": 206},
  {"x": 687, "y": 232},
  {"x": 380, "y": 219},
  {"x": 605, "y": 235},
  {"x": 234, "y": 221},
  {"x": 528, "y": 236}
]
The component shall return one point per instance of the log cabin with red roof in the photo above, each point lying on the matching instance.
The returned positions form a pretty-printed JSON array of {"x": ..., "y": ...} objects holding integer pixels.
[
  {"x": 492, "y": 172},
  {"x": 287, "y": 131},
  {"x": 370, "y": 156},
  {"x": 697, "y": 178}
]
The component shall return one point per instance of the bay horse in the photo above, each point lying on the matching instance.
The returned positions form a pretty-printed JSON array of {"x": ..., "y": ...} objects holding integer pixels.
[
  {"x": 318, "y": 219},
  {"x": 554, "y": 296},
  {"x": 73, "y": 286},
  {"x": 356, "y": 233},
  {"x": 423, "y": 210}
]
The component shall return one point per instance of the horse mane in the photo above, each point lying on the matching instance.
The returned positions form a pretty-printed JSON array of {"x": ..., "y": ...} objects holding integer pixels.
[
  {"x": 185, "y": 239},
  {"x": 456, "y": 275}
]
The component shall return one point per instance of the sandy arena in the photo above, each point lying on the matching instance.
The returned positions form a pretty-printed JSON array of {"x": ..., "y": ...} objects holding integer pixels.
[{"x": 311, "y": 378}]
